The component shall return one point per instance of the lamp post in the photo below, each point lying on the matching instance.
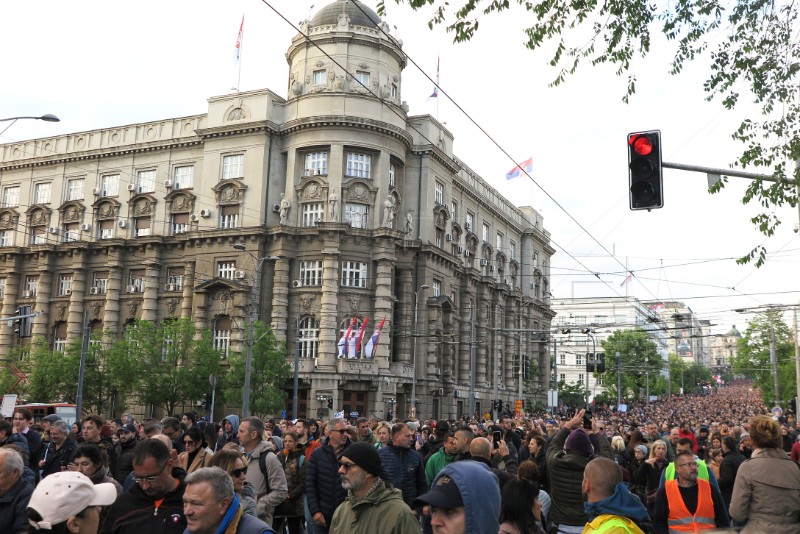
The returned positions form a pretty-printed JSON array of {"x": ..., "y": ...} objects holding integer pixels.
[
  {"x": 47, "y": 118},
  {"x": 414, "y": 353},
  {"x": 248, "y": 365},
  {"x": 588, "y": 332}
]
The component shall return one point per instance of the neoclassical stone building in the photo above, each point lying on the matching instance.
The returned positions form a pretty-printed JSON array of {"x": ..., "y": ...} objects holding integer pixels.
[{"x": 362, "y": 203}]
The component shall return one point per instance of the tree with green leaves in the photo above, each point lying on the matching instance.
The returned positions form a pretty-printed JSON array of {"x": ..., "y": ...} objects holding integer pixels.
[
  {"x": 640, "y": 362},
  {"x": 168, "y": 363},
  {"x": 756, "y": 59},
  {"x": 753, "y": 361},
  {"x": 572, "y": 395},
  {"x": 52, "y": 375},
  {"x": 269, "y": 374},
  {"x": 102, "y": 381}
]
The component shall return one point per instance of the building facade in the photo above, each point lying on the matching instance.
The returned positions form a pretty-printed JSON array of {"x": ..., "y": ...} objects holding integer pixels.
[{"x": 326, "y": 206}]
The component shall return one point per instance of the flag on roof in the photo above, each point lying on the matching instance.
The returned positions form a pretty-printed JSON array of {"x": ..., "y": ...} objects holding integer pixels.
[
  {"x": 239, "y": 40},
  {"x": 526, "y": 166},
  {"x": 435, "y": 92},
  {"x": 627, "y": 279}
]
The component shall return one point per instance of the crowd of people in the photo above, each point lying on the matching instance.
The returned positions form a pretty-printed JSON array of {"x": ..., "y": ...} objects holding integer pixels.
[{"x": 718, "y": 462}]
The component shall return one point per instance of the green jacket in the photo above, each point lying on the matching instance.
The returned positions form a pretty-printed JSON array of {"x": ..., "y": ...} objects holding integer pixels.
[
  {"x": 382, "y": 510},
  {"x": 612, "y": 523},
  {"x": 436, "y": 463}
]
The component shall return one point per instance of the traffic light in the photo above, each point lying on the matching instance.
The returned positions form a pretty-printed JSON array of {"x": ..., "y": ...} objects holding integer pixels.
[
  {"x": 330, "y": 403},
  {"x": 23, "y": 325},
  {"x": 206, "y": 400},
  {"x": 589, "y": 362},
  {"x": 600, "y": 362},
  {"x": 644, "y": 170}
]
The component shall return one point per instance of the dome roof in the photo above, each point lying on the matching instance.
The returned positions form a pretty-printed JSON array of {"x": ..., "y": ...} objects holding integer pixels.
[
  {"x": 733, "y": 332},
  {"x": 360, "y": 15}
]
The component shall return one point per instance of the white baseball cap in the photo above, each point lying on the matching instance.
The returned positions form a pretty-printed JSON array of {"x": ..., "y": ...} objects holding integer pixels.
[{"x": 64, "y": 494}]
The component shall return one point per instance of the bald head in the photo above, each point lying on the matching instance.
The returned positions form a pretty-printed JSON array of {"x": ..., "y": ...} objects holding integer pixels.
[
  {"x": 602, "y": 476},
  {"x": 481, "y": 448}
]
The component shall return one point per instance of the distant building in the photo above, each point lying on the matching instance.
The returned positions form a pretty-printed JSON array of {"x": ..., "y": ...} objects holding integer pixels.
[
  {"x": 369, "y": 210},
  {"x": 723, "y": 348}
]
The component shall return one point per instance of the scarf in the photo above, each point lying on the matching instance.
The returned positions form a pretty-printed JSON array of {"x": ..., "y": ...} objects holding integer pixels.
[{"x": 231, "y": 520}]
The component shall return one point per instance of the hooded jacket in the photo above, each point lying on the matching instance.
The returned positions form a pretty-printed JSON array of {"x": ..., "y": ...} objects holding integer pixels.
[
  {"x": 225, "y": 437},
  {"x": 382, "y": 510},
  {"x": 620, "y": 504},
  {"x": 480, "y": 491}
]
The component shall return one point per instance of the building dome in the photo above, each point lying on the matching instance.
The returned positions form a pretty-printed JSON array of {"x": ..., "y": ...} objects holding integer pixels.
[
  {"x": 733, "y": 332},
  {"x": 360, "y": 15}
]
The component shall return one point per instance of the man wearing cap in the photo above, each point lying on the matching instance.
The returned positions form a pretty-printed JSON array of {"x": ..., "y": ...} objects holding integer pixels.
[
  {"x": 128, "y": 439},
  {"x": 567, "y": 456},
  {"x": 211, "y": 505},
  {"x": 370, "y": 506},
  {"x": 70, "y": 499},
  {"x": 464, "y": 499}
]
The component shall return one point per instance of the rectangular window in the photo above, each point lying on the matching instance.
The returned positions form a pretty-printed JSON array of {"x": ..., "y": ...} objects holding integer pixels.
[
  {"x": 485, "y": 234},
  {"x": 354, "y": 274},
  {"x": 578, "y": 359},
  {"x": 316, "y": 164},
  {"x": 311, "y": 273},
  {"x": 362, "y": 78},
  {"x": 437, "y": 288},
  {"x": 512, "y": 250},
  {"x": 319, "y": 77},
  {"x": 38, "y": 235},
  {"x": 6, "y": 238},
  {"x": 580, "y": 378},
  {"x": 75, "y": 189},
  {"x": 136, "y": 280},
  {"x": 358, "y": 165},
  {"x": 2, "y": 287},
  {"x": 142, "y": 227},
  {"x": 392, "y": 175},
  {"x": 64, "y": 284},
  {"x": 175, "y": 277},
  {"x": 100, "y": 282},
  {"x": 71, "y": 232},
  {"x": 221, "y": 337},
  {"x": 499, "y": 243},
  {"x": 469, "y": 223},
  {"x": 183, "y": 177},
  {"x": 438, "y": 193},
  {"x": 229, "y": 217},
  {"x": 562, "y": 378},
  {"x": 109, "y": 185},
  {"x": 233, "y": 166},
  {"x": 11, "y": 197},
  {"x": 439, "y": 237},
  {"x": 179, "y": 223},
  {"x": 394, "y": 91},
  {"x": 146, "y": 181},
  {"x": 105, "y": 229},
  {"x": 454, "y": 211},
  {"x": 535, "y": 260},
  {"x": 42, "y": 193},
  {"x": 357, "y": 215},
  {"x": 31, "y": 285},
  {"x": 562, "y": 359},
  {"x": 226, "y": 269},
  {"x": 312, "y": 212}
]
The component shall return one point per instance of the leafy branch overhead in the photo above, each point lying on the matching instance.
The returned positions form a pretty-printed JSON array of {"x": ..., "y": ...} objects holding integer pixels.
[{"x": 750, "y": 44}]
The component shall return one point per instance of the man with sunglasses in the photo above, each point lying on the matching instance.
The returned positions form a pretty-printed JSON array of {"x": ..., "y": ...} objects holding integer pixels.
[
  {"x": 323, "y": 482},
  {"x": 155, "y": 503}
]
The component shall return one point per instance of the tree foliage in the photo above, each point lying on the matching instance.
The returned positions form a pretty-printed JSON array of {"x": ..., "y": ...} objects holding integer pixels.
[
  {"x": 572, "y": 395},
  {"x": 52, "y": 376},
  {"x": 752, "y": 358},
  {"x": 639, "y": 362},
  {"x": 754, "y": 58},
  {"x": 268, "y": 376}
]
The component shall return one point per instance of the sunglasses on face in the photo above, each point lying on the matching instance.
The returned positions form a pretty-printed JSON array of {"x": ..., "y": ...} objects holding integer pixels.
[{"x": 239, "y": 472}]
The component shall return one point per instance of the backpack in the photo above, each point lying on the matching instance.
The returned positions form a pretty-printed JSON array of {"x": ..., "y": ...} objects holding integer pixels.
[{"x": 262, "y": 465}]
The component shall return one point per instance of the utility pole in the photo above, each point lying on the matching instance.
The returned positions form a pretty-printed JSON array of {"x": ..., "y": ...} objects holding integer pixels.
[
  {"x": 773, "y": 356},
  {"x": 472, "y": 371},
  {"x": 796, "y": 359},
  {"x": 619, "y": 380},
  {"x": 82, "y": 368}
]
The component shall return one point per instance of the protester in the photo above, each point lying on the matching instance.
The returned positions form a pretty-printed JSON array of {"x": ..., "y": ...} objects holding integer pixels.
[
  {"x": 264, "y": 471},
  {"x": 383, "y": 434},
  {"x": 609, "y": 505},
  {"x": 15, "y": 492},
  {"x": 401, "y": 466},
  {"x": 196, "y": 453},
  {"x": 68, "y": 502},
  {"x": 324, "y": 490},
  {"x": 92, "y": 462},
  {"x": 293, "y": 461},
  {"x": 519, "y": 508},
  {"x": 58, "y": 452},
  {"x": 231, "y": 460}
]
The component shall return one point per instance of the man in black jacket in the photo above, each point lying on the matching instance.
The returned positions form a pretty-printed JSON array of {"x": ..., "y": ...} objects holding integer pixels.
[
  {"x": 324, "y": 490},
  {"x": 155, "y": 504},
  {"x": 401, "y": 465},
  {"x": 58, "y": 452},
  {"x": 731, "y": 460},
  {"x": 128, "y": 439}
]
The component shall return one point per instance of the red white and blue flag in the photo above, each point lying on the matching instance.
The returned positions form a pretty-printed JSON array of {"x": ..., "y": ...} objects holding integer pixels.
[
  {"x": 435, "y": 93},
  {"x": 526, "y": 166},
  {"x": 343, "y": 342},
  {"x": 239, "y": 38},
  {"x": 627, "y": 279},
  {"x": 360, "y": 337},
  {"x": 372, "y": 344}
]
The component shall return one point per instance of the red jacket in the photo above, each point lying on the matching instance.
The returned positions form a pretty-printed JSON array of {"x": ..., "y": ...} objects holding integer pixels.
[{"x": 690, "y": 435}]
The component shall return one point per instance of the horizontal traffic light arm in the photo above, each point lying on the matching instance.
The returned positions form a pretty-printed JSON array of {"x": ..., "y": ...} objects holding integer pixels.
[{"x": 724, "y": 172}]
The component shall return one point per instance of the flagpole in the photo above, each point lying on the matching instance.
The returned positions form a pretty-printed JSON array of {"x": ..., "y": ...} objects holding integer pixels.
[{"x": 241, "y": 48}]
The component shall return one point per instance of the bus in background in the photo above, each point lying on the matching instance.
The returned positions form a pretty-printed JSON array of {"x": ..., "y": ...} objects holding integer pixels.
[{"x": 41, "y": 410}]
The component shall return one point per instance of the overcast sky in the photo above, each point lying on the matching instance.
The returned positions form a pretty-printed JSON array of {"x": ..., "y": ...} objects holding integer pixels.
[{"x": 98, "y": 64}]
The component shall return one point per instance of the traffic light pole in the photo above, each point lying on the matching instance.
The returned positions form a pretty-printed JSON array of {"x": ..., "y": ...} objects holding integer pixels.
[{"x": 714, "y": 173}]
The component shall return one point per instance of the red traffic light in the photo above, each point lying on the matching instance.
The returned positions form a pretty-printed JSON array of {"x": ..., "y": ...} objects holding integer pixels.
[{"x": 641, "y": 144}]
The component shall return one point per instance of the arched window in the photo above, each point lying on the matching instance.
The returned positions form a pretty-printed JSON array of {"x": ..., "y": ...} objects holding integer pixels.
[
  {"x": 346, "y": 346},
  {"x": 221, "y": 337},
  {"x": 308, "y": 337}
]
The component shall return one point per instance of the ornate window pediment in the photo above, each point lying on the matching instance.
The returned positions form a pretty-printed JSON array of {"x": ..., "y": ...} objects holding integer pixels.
[
  {"x": 107, "y": 208},
  {"x": 456, "y": 228},
  {"x": 313, "y": 190},
  {"x": 142, "y": 206},
  {"x": 71, "y": 212},
  {"x": 359, "y": 191},
  {"x": 180, "y": 202},
  {"x": 38, "y": 216},
  {"x": 440, "y": 216},
  {"x": 472, "y": 241},
  {"x": 229, "y": 192},
  {"x": 8, "y": 218},
  {"x": 486, "y": 249},
  {"x": 500, "y": 257},
  {"x": 514, "y": 265}
]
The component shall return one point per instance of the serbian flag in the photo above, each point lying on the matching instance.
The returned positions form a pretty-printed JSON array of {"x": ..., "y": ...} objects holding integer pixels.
[
  {"x": 627, "y": 279},
  {"x": 361, "y": 334},
  {"x": 435, "y": 92},
  {"x": 351, "y": 346},
  {"x": 372, "y": 344},
  {"x": 526, "y": 166},
  {"x": 238, "y": 54},
  {"x": 343, "y": 342}
]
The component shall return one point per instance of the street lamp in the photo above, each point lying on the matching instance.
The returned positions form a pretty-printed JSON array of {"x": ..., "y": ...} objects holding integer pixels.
[
  {"x": 47, "y": 118},
  {"x": 248, "y": 366},
  {"x": 414, "y": 353},
  {"x": 588, "y": 332}
]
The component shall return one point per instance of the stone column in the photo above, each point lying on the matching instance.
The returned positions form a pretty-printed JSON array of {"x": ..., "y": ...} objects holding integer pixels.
[
  {"x": 329, "y": 305},
  {"x": 13, "y": 275},
  {"x": 151, "y": 290},
  {"x": 384, "y": 276},
  {"x": 77, "y": 300},
  {"x": 511, "y": 353},
  {"x": 483, "y": 306},
  {"x": 464, "y": 337},
  {"x": 404, "y": 320},
  {"x": 280, "y": 300},
  {"x": 187, "y": 296},
  {"x": 113, "y": 306},
  {"x": 44, "y": 290}
]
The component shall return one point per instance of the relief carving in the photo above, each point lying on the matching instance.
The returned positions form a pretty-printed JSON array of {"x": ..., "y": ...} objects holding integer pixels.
[
  {"x": 95, "y": 309},
  {"x": 60, "y": 311},
  {"x": 237, "y": 114},
  {"x": 133, "y": 306}
]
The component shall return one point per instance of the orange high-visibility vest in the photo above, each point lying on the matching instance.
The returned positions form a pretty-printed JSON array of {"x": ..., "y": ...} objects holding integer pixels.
[{"x": 679, "y": 519}]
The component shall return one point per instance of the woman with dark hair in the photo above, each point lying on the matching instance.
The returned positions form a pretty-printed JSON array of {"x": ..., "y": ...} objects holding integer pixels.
[
  {"x": 766, "y": 494},
  {"x": 196, "y": 452},
  {"x": 290, "y": 512},
  {"x": 67, "y": 503},
  {"x": 537, "y": 446},
  {"x": 519, "y": 508},
  {"x": 231, "y": 460},
  {"x": 92, "y": 462}
]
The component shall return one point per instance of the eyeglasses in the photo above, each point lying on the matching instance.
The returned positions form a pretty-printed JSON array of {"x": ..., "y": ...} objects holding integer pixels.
[
  {"x": 346, "y": 466},
  {"x": 239, "y": 472},
  {"x": 688, "y": 464},
  {"x": 151, "y": 478}
]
